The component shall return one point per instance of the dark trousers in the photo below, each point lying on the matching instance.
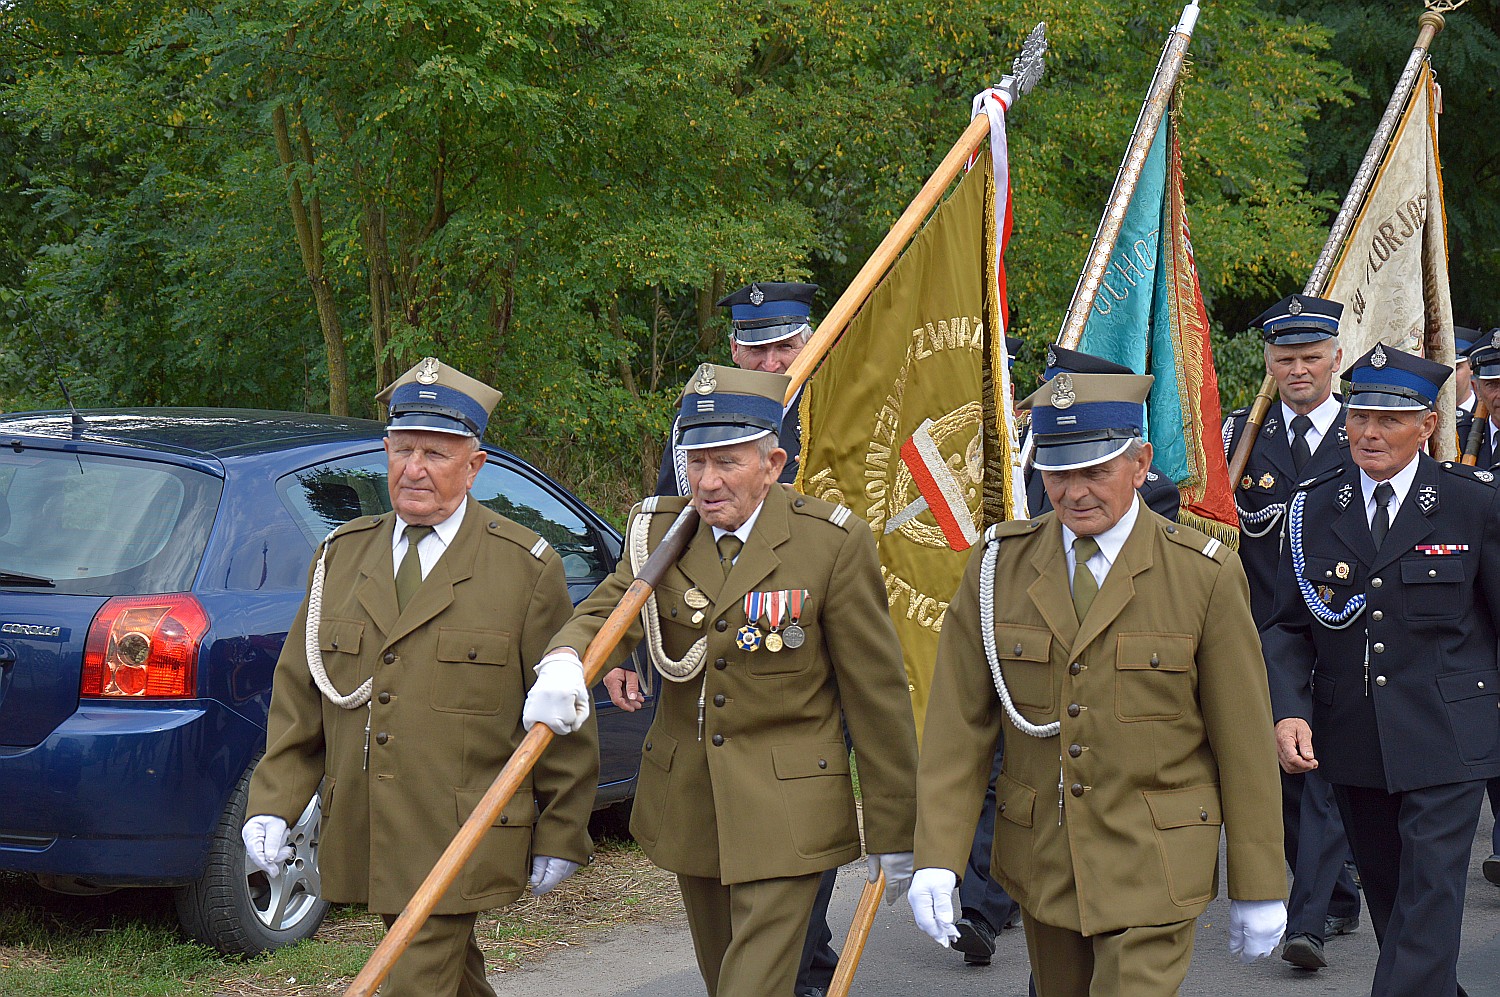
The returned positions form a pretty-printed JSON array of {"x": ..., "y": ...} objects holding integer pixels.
[
  {"x": 1316, "y": 851},
  {"x": 1412, "y": 850},
  {"x": 978, "y": 894},
  {"x": 819, "y": 960},
  {"x": 1494, "y": 790}
]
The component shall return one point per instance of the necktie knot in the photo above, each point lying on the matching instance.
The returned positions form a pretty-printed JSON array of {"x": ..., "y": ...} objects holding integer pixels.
[
  {"x": 415, "y": 534},
  {"x": 1084, "y": 548},
  {"x": 1384, "y": 492},
  {"x": 1301, "y": 424},
  {"x": 729, "y": 548}
]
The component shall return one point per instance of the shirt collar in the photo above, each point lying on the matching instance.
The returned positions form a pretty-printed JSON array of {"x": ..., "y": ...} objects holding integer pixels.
[
  {"x": 744, "y": 531},
  {"x": 1467, "y": 405},
  {"x": 1112, "y": 540},
  {"x": 444, "y": 531},
  {"x": 1400, "y": 484},
  {"x": 1322, "y": 417}
]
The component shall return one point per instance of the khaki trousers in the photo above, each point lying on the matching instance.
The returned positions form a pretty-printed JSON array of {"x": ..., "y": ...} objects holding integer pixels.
[
  {"x": 442, "y": 959},
  {"x": 1150, "y": 961},
  {"x": 748, "y": 937}
]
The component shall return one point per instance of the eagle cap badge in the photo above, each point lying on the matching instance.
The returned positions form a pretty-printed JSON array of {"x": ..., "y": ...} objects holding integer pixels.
[
  {"x": 427, "y": 370},
  {"x": 1063, "y": 395},
  {"x": 707, "y": 383}
]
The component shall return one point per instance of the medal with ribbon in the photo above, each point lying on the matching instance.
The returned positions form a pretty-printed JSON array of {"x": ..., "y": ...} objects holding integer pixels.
[
  {"x": 794, "y": 636},
  {"x": 775, "y": 610},
  {"x": 748, "y": 638}
]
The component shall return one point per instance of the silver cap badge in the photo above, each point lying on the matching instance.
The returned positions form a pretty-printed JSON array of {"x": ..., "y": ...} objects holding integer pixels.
[
  {"x": 1063, "y": 395},
  {"x": 1377, "y": 359},
  {"x": 707, "y": 383},
  {"x": 427, "y": 370},
  {"x": 757, "y": 296}
]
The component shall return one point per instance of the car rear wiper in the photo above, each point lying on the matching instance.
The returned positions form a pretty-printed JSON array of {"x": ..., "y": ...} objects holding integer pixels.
[{"x": 17, "y": 578}]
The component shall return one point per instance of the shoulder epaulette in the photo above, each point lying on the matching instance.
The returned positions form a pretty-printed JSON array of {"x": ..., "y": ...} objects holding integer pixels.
[
  {"x": 1329, "y": 475},
  {"x": 1469, "y": 471},
  {"x": 1192, "y": 539},
  {"x": 663, "y": 504},
  {"x": 1011, "y": 528},
  {"x": 838, "y": 515},
  {"x": 357, "y": 526},
  {"x": 509, "y": 529}
]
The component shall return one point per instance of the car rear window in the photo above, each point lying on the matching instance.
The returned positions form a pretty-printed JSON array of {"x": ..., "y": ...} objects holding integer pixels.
[{"x": 98, "y": 525}]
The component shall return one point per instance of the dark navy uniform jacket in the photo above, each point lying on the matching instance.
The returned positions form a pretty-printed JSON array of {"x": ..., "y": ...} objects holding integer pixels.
[
  {"x": 1430, "y": 714},
  {"x": 1487, "y": 456},
  {"x": 790, "y": 440},
  {"x": 1272, "y": 478}
]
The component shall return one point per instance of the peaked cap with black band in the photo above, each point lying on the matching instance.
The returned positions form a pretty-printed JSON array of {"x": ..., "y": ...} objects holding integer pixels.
[
  {"x": 433, "y": 396},
  {"x": 1393, "y": 380},
  {"x": 1080, "y": 420},
  {"x": 722, "y": 406},
  {"x": 1465, "y": 341},
  {"x": 1484, "y": 355},
  {"x": 1300, "y": 318},
  {"x": 769, "y": 311},
  {"x": 1063, "y": 361}
]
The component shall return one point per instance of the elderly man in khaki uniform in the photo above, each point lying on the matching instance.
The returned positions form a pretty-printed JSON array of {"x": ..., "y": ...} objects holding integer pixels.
[
  {"x": 400, "y": 689},
  {"x": 1116, "y": 653},
  {"x": 772, "y": 624}
]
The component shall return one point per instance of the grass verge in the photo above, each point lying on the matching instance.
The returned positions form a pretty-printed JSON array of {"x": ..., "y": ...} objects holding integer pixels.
[{"x": 127, "y": 944}]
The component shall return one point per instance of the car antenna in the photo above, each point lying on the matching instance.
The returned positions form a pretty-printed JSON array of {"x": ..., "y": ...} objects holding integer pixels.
[{"x": 79, "y": 425}]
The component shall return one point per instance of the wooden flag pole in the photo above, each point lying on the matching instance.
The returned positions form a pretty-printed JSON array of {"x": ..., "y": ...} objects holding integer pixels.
[
  {"x": 1026, "y": 71},
  {"x": 859, "y": 933},
  {"x": 1163, "y": 82},
  {"x": 1431, "y": 22},
  {"x": 1469, "y": 454}
]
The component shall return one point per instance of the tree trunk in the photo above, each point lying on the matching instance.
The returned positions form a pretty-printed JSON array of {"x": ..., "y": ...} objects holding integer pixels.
[
  {"x": 309, "y": 228},
  {"x": 709, "y": 329}
]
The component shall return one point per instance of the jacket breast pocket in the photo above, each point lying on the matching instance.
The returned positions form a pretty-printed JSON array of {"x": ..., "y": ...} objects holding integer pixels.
[
  {"x": 473, "y": 673},
  {"x": 1187, "y": 823},
  {"x": 1154, "y": 677},
  {"x": 1433, "y": 587},
  {"x": 339, "y": 641},
  {"x": 1025, "y": 656}
]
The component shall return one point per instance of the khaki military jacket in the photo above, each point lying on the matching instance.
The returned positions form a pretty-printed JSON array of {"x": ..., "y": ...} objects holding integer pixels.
[
  {"x": 1166, "y": 736},
  {"x": 451, "y": 675},
  {"x": 766, "y": 791}
]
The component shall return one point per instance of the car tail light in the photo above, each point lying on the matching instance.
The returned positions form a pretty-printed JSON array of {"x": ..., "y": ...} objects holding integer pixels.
[{"x": 144, "y": 646}]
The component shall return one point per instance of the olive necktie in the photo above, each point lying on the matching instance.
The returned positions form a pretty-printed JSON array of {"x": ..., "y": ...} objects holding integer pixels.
[
  {"x": 1301, "y": 452},
  {"x": 729, "y": 548},
  {"x": 1381, "y": 523},
  {"x": 1084, "y": 585},
  {"x": 409, "y": 575}
]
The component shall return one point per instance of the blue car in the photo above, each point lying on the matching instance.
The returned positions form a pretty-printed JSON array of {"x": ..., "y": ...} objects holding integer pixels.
[{"x": 151, "y": 562}]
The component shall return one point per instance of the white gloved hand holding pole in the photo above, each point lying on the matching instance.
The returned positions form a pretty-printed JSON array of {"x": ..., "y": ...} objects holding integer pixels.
[
  {"x": 1255, "y": 927},
  {"x": 265, "y": 843},
  {"x": 897, "y": 867},
  {"x": 560, "y": 697},
  {"x": 548, "y": 872},
  {"x": 931, "y": 899}
]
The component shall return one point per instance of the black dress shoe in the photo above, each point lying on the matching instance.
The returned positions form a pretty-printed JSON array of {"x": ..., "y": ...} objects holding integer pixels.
[
  {"x": 1492, "y": 869},
  {"x": 1340, "y": 925},
  {"x": 1304, "y": 952},
  {"x": 976, "y": 940},
  {"x": 809, "y": 992}
]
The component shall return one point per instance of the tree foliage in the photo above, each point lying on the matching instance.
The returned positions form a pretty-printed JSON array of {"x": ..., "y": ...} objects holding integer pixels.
[{"x": 211, "y": 203}]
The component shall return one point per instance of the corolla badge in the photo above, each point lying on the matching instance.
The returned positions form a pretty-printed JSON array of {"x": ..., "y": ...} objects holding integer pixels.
[{"x": 30, "y": 630}]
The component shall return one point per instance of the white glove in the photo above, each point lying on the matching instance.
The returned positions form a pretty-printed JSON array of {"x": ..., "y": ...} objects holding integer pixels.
[
  {"x": 265, "y": 843},
  {"x": 547, "y": 872},
  {"x": 1255, "y": 927},
  {"x": 560, "y": 697},
  {"x": 931, "y": 899},
  {"x": 897, "y": 867}
]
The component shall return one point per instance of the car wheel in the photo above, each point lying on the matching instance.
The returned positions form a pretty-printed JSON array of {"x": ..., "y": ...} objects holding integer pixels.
[{"x": 235, "y": 907}]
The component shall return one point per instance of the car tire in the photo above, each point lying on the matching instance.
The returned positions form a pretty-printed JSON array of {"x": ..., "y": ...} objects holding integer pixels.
[{"x": 235, "y": 907}]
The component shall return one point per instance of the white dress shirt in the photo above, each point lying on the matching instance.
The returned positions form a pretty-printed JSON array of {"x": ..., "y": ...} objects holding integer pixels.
[
  {"x": 1111, "y": 541},
  {"x": 432, "y": 545},
  {"x": 1322, "y": 420},
  {"x": 1400, "y": 484}
]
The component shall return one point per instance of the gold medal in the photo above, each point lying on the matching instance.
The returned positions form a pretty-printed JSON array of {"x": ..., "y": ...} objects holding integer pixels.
[
  {"x": 1341, "y": 570},
  {"x": 1267, "y": 481},
  {"x": 695, "y": 598},
  {"x": 773, "y": 641}
]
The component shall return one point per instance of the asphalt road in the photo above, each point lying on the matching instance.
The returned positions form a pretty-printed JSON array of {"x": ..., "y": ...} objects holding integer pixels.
[{"x": 657, "y": 960}]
